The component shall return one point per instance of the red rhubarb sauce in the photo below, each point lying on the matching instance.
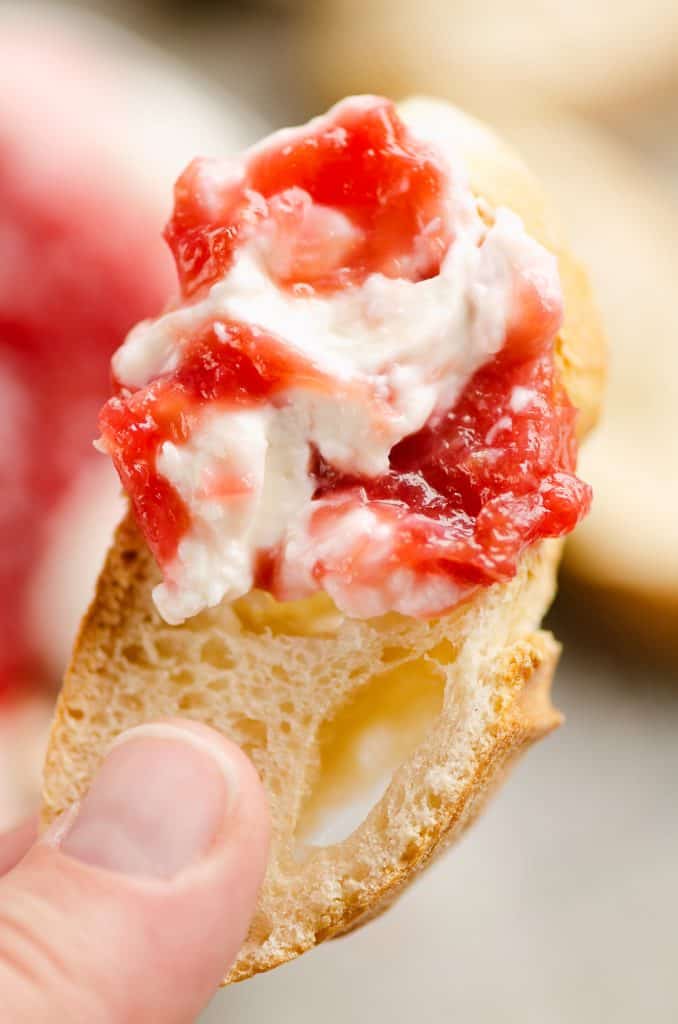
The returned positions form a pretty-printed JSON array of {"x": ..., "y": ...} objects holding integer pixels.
[
  {"x": 360, "y": 161},
  {"x": 471, "y": 490},
  {"x": 227, "y": 363}
]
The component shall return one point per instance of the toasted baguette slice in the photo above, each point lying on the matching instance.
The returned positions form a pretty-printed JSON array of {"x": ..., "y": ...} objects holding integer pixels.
[
  {"x": 565, "y": 53},
  {"x": 325, "y": 705}
]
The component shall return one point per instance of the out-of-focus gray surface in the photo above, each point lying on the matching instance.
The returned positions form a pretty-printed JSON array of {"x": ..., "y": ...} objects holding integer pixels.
[{"x": 560, "y": 906}]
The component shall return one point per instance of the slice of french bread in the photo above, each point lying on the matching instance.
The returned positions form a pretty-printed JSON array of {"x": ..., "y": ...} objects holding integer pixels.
[
  {"x": 624, "y": 559},
  {"x": 328, "y": 706}
]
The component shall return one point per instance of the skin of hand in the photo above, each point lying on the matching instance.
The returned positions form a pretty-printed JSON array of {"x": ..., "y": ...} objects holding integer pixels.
[{"x": 133, "y": 904}]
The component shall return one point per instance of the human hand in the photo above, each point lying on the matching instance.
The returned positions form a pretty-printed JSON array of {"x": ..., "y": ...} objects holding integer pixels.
[{"x": 131, "y": 906}]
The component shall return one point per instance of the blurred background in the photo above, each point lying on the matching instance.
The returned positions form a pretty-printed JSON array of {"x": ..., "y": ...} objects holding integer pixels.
[{"x": 561, "y": 904}]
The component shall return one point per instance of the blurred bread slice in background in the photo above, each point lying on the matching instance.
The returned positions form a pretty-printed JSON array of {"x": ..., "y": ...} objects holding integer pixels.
[
  {"x": 652, "y": 130},
  {"x": 590, "y": 54},
  {"x": 622, "y": 218}
]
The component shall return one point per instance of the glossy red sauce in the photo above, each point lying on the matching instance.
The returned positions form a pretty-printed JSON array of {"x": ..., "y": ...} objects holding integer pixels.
[
  {"x": 472, "y": 489},
  {"x": 359, "y": 161},
  {"x": 69, "y": 291}
]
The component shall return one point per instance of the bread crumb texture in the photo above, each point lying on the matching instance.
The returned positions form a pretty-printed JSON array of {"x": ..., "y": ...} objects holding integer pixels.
[{"x": 324, "y": 705}]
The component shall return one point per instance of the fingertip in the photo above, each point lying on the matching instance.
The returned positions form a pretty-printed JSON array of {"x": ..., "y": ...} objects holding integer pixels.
[
  {"x": 169, "y": 796},
  {"x": 239, "y": 771},
  {"x": 147, "y": 887}
]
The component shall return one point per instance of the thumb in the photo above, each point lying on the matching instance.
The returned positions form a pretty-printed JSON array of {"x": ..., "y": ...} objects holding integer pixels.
[{"x": 131, "y": 908}]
